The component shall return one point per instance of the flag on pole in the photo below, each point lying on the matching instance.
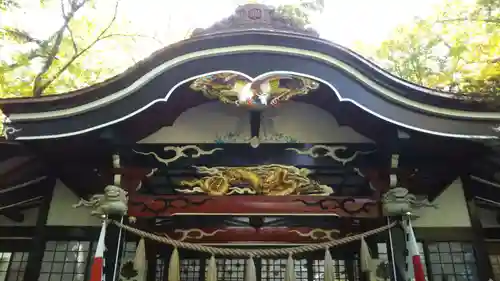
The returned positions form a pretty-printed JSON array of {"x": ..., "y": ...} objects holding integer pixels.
[
  {"x": 414, "y": 255},
  {"x": 97, "y": 269}
]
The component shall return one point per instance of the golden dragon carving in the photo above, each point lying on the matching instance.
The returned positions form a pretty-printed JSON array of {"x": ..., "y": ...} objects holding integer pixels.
[{"x": 273, "y": 179}]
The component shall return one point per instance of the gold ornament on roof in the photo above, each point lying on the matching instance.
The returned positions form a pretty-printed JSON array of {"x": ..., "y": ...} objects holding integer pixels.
[
  {"x": 270, "y": 179},
  {"x": 267, "y": 91}
]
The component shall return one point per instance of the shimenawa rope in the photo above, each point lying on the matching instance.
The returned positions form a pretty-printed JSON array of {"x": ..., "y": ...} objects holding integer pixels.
[{"x": 252, "y": 252}]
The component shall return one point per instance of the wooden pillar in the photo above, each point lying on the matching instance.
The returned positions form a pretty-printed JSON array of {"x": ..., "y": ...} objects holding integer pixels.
[
  {"x": 484, "y": 269},
  {"x": 114, "y": 244},
  {"x": 35, "y": 257}
]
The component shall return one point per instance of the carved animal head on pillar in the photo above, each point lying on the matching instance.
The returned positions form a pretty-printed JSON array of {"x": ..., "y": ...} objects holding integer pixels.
[
  {"x": 114, "y": 201},
  {"x": 399, "y": 201}
]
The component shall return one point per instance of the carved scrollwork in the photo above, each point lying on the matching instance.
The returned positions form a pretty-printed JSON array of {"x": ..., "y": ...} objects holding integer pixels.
[
  {"x": 271, "y": 179},
  {"x": 148, "y": 175},
  {"x": 114, "y": 201},
  {"x": 320, "y": 150},
  {"x": 348, "y": 205},
  {"x": 319, "y": 234},
  {"x": 180, "y": 151},
  {"x": 399, "y": 201},
  {"x": 194, "y": 234},
  {"x": 159, "y": 206},
  {"x": 10, "y": 132}
]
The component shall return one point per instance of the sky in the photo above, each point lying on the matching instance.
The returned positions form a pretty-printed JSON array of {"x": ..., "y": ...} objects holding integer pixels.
[{"x": 342, "y": 21}]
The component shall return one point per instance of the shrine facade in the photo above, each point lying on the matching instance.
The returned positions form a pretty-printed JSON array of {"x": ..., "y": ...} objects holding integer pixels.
[{"x": 252, "y": 140}]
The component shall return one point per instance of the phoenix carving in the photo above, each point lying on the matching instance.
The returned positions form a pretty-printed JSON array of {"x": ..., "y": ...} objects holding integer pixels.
[{"x": 236, "y": 89}]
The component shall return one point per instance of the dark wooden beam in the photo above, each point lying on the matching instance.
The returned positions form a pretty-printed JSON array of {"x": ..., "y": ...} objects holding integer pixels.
[
  {"x": 83, "y": 182},
  {"x": 34, "y": 265},
  {"x": 76, "y": 162},
  {"x": 262, "y": 235},
  {"x": 485, "y": 271},
  {"x": 25, "y": 171},
  {"x": 10, "y": 149},
  {"x": 30, "y": 193},
  {"x": 244, "y": 155},
  {"x": 13, "y": 215},
  {"x": 255, "y": 121},
  {"x": 168, "y": 205}
]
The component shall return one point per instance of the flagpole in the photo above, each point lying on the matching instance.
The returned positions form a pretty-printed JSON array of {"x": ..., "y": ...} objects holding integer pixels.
[
  {"x": 117, "y": 256},
  {"x": 414, "y": 252},
  {"x": 394, "y": 275}
]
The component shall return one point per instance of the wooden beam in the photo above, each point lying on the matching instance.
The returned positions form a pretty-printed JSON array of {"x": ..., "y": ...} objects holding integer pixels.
[
  {"x": 296, "y": 154},
  {"x": 83, "y": 182},
  {"x": 175, "y": 205},
  {"x": 255, "y": 122},
  {"x": 34, "y": 265},
  {"x": 250, "y": 235},
  {"x": 27, "y": 170},
  {"x": 484, "y": 269},
  {"x": 13, "y": 215},
  {"x": 20, "y": 196}
]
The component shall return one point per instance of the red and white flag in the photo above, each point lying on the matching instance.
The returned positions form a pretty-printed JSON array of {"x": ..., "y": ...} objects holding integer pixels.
[
  {"x": 97, "y": 269},
  {"x": 415, "y": 267}
]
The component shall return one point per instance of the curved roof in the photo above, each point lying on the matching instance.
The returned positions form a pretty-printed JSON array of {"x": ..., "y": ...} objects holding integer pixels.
[{"x": 255, "y": 42}]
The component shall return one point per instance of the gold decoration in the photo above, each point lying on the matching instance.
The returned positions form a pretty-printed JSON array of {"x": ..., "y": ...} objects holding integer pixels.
[
  {"x": 318, "y": 234},
  {"x": 270, "y": 179},
  {"x": 194, "y": 233},
  {"x": 132, "y": 219},
  {"x": 236, "y": 89},
  {"x": 320, "y": 150},
  {"x": 148, "y": 175},
  {"x": 180, "y": 151}
]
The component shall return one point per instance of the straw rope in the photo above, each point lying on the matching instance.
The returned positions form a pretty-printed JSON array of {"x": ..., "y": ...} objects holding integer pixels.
[{"x": 252, "y": 252}]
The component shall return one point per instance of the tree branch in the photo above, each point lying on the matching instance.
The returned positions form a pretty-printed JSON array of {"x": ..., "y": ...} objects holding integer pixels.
[
  {"x": 73, "y": 41},
  {"x": 38, "y": 87},
  {"x": 100, "y": 37},
  {"x": 495, "y": 21}
]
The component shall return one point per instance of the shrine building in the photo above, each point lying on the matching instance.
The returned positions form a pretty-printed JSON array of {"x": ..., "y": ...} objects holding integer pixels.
[{"x": 253, "y": 138}]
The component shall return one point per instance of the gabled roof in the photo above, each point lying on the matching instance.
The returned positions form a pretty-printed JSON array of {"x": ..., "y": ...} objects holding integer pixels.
[{"x": 255, "y": 42}]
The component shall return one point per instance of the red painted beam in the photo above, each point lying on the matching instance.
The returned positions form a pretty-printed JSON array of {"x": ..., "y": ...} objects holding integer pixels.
[
  {"x": 171, "y": 205},
  {"x": 250, "y": 235}
]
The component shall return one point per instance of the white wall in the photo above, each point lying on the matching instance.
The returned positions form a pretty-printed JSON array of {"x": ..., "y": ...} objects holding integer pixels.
[
  {"x": 451, "y": 209},
  {"x": 62, "y": 212},
  {"x": 300, "y": 121}
]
